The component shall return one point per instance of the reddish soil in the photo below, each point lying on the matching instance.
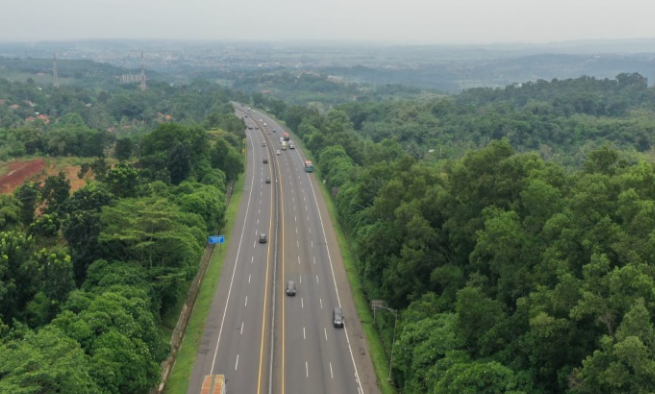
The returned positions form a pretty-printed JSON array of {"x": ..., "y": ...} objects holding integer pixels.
[{"x": 16, "y": 172}]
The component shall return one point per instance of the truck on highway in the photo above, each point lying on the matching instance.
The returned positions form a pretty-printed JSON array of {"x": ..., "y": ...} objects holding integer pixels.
[
  {"x": 284, "y": 145},
  {"x": 214, "y": 384},
  {"x": 309, "y": 166},
  {"x": 286, "y": 136}
]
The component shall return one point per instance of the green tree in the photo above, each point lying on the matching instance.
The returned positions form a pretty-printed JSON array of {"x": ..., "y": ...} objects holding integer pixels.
[
  {"x": 206, "y": 201},
  {"x": 480, "y": 378},
  {"x": 179, "y": 164},
  {"x": 10, "y": 212},
  {"x": 16, "y": 282},
  {"x": 122, "y": 180},
  {"x": 154, "y": 233},
  {"x": 81, "y": 228},
  {"x": 624, "y": 363},
  {"x": 55, "y": 191},
  {"x": 124, "y": 148},
  {"x": 28, "y": 195},
  {"x": 46, "y": 362}
]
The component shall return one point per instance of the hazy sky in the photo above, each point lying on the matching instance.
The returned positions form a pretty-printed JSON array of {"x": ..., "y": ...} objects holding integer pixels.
[{"x": 396, "y": 21}]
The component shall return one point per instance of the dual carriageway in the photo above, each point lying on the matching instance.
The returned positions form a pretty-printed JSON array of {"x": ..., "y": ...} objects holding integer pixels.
[{"x": 262, "y": 340}]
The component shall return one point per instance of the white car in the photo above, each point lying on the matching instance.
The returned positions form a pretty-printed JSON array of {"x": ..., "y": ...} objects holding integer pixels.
[{"x": 278, "y": 152}]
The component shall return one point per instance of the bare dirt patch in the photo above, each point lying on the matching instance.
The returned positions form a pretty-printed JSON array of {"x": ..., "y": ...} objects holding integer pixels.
[{"x": 18, "y": 171}]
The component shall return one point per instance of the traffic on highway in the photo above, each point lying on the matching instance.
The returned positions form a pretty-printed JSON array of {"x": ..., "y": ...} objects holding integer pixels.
[{"x": 278, "y": 322}]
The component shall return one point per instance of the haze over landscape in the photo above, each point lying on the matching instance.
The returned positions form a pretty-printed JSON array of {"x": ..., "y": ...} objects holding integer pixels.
[
  {"x": 346, "y": 196},
  {"x": 410, "y": 21}
]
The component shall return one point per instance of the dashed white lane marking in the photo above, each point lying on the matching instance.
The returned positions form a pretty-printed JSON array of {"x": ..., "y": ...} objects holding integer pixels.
[
  {"x": 331, "y": 374},
  {"x": 325, "y": 331},
  {"x": 303, "y": 333},
  {"x": 241, "y": 331},
  {"x": 321, "y": 301},
  {"x": 316, "y": 279},
  {"x": 236, "y": 365},
  {"x": 246, "y": 301}
]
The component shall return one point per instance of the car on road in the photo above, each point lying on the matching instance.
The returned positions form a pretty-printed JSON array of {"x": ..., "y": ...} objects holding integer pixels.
[
  {"x": 292, "y": 146},
  {"x": 262, "y": 238},
  {"x": 337, "y": 317},
  {"x": 265, "y": 161},
  {"x": 278, "y": 152},
  {"x": 268, "y": 180},
  {"x": 291, "y": 288},
  {"x": 264, "y": 144}
]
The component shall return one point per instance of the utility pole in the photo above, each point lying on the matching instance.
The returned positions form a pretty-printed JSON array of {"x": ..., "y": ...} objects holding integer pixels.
[
  {"x": 379, "y": 304},
  {"x": 143, "y": 73},
  {"x": 54, "y": 70}
]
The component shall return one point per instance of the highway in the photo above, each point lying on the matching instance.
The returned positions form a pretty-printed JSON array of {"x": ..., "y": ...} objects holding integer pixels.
[
  {"x": 236, "y": 339},
  {"x": 251, "y": 315}
]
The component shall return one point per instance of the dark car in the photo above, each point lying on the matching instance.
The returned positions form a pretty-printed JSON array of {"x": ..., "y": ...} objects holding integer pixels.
[
  {"x": 262, "y": 238},
  {"x": 265, "y": 161},
  {"x": 337, "y": 317},
  {"x": 291, "y": 288},
  {"x": 268, "y": 180}
]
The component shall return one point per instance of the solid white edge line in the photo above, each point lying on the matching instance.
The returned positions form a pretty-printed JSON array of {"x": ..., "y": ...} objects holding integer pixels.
[
  {"x": 334, "y": 280},
  {"x": 229, "y": 292}
]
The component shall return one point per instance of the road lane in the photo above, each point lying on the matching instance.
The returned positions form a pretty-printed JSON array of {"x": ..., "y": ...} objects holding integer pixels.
[{"x": 235, "y": 337}]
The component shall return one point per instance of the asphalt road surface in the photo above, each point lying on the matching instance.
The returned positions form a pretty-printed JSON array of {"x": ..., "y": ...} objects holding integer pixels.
[{"x": 251, "y": 316}]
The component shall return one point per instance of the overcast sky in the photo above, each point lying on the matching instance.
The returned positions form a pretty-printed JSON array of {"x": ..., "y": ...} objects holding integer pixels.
[{"x": 393, "y": 21}]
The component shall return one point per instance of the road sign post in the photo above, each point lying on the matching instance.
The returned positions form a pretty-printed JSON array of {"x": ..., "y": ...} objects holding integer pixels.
[{"x": 216, "y": 239}]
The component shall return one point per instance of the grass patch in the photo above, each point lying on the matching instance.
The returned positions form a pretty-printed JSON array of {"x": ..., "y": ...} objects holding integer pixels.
[
  {"x": 186, "y": 357},
  {"x": 377, "y": 353}
]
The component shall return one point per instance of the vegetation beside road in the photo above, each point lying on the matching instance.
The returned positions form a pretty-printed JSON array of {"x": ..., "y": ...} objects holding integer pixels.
[{"x": 515, "y": 266}]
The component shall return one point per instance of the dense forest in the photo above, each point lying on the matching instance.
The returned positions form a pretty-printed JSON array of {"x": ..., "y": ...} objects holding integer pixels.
[
  {"x": 512, "y": 273},
  {"x": 86, "y": 276},
  {"x": 512, "y": 228}
]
